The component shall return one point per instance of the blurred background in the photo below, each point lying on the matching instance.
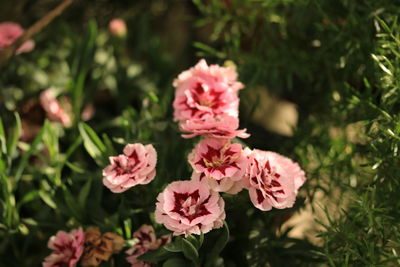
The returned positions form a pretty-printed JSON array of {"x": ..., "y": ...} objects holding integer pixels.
[{"x": 322, "y": 87}]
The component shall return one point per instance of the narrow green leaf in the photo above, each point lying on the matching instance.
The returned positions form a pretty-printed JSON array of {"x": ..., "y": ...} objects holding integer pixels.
[
  {"x": 175, "y": 262},
  {"x": 209, "y": 50},
  {"x": 32, "y": 149},
  {"x": 47, "y": 199},
  {"x": 83, "y": 194},
  {"x": 72, "y": 204},
  {"x": 190, "y": 251},
  {"x": 201, "y": 239},
  {"x": 218, "y": 247},
  {"x": 74, "y": 167},
  {"x": 84, "y": 59},
  {"x": 32, "y": 195},
  {"x": 3, "y": 147},
  {"x": 192, "y": 239},
  {"x": 175, "y": 246},
  {"x": 128, "y": 228},
  {"x": 156, "y": 255},
  {"x": 15, "y": 134},
  {"x": 93, "y": 144},
  {"x": 108, "y": 143}
]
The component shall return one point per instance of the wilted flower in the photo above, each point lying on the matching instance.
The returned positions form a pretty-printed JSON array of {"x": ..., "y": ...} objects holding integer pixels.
[
  {"x": 273, "y": 180},
  {"x": 146, "y": 241},
  {"x": 219, "y": 163},
  {"x": 135, "y": 166},
  {"x": 218, "y": 127},
  {"x": 68, "y": 248},
  {"x": 206, "y": 91},
  {"x": 9, "y": 33},
  {"x": 117, "y": 27},
  {"x": 189, "y": 207},
  {"x": 55, "y": 111},
  {"x": 100, "y": 247}
]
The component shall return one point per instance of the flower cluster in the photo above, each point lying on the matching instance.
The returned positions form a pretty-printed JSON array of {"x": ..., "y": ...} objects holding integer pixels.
[
  {"x": 90, "y": 247},
  {"x": 206, "y": 104}
]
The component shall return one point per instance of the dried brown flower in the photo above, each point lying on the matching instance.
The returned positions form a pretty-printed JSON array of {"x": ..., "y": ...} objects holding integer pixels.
[{"x": 100, "y": 247}]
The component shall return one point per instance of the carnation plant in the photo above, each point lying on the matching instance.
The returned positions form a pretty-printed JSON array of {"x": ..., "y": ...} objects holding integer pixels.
[{"x": 145, "y": 134}]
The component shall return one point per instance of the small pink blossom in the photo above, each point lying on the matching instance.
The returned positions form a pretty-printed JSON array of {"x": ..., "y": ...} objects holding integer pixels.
[
  {"x": 189, "y": 207},
  {"x": 68, "y": 248},
  {"x": 206, "y": 91},
  {"x": 54, "y": 109},
  {"x": 146, "y": 241},
  {"x": 273, "y": 180},
  {"x": 135, "y": 166},
  {"x": 220, "y": 163},
  {"x": 9, "y": 33},
  {"x": 218, "y": 127},
  {"x": 117, "y": 27}
]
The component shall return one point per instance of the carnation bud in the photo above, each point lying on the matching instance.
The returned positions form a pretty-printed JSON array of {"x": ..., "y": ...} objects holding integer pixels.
[{"x": 117, "y": 27}]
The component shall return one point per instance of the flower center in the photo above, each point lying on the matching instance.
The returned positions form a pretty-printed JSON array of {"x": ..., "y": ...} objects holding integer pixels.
[
  {"x": 217, "y": 158},
  {"x": 187, "y": 205}
]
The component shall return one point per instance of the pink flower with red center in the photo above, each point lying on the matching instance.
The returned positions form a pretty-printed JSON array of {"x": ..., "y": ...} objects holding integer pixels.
[
  {"x": 220, "y": 163},
  {"x": 273, "y": 180},
  {"x": 55, "y": 111},
  {"x": 206, "y": 91},
  {"x": 218, "y": 127},
  {"x": 9, "y": 33},
  {"x": 135, "y": 166},
  {"x": 146, "y": 241},
  {"x": 68, "y": 248},
  {"x": 189, "y": 207}
]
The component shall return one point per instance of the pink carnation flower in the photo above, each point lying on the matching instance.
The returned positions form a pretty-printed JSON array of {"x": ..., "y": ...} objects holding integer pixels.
[
  {"x": 189, "y": 207},
  {"x": 117, "y": 27},
  {"x": 9, "y": 33},
  {"x": 206, "y": 90},
  {"x": 68, "y": 248},
  {"x": 218, "y": 127},
  {"x": 135, "y": 166},
  {"x": 273, "y": 180},
  {"x": 146, "y": 241},
  {"x": 54, "y": 110},
  {"x": 219, "y": 163}
]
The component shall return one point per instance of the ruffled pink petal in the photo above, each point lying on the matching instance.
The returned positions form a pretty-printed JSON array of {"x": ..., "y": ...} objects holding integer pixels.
[
  {"x": 273, "y": 180},
  {"x": 136, "y": 166},
  {"x": 67, "y": 248},
  {"x": 189, "y": 207}
]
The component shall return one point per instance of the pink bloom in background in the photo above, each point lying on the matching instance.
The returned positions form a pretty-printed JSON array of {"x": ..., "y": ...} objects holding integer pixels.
[
  {"x": 54, "y": 110},
  {"x": 117, "y": 27},
  {"x": 68, "y": 248},
  {"x": 220, "y": 163},
  {"x": 135, "y": 166},
  {"x": 206, "y": 91},
  {"x": 273, "y": 180},
  {"x": 146, "y": 241},
  {"x": 189, "y": 207},
  {"x": 9, "y": 33},
  {"x": 218, "y": 127}
]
